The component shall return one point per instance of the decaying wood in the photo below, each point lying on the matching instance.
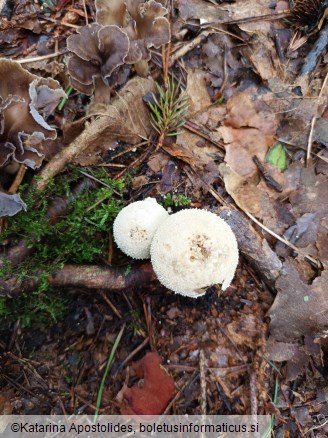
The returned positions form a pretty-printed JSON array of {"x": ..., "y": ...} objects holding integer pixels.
[
  {"x": 86, "y": 277},
  {"x": 253, "y": 247}
]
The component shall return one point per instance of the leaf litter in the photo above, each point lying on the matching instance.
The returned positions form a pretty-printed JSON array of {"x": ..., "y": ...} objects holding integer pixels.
[{"x": 254, "y": 142}]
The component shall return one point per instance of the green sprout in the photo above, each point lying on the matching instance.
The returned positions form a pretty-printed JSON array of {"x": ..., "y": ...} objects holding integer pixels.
[{"x": 169, "y": 110}]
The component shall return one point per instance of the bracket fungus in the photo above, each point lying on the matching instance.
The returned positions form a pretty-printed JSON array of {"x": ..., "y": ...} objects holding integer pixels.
[
  {"x": 135, "y": 225},
  {"x": 194, "y": 249},
  {"x": 97, "y": 51},
  {"x": 25, "y": 101}
]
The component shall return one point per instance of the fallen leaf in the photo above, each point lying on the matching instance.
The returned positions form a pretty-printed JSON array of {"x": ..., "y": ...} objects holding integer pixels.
[
  {"x": 197, "y": 91},
  {"x": 151, "y": 397},
  {"x": 126, "y": 119},
  {"x": 248, "y": 130},
  {"x": 299, "y": 309}
]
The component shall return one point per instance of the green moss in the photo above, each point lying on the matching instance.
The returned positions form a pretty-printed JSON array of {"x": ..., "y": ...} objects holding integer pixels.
[
  {"x": 82, "y": 236},
  {"x": 170, "y": 200}
]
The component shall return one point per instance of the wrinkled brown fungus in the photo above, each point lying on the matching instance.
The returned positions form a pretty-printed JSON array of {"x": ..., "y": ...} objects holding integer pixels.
[
  {"x": 148, "y": 28},
  {"x": 25, "y": 101},
  {"x": 110, "y": 12},
  {"x": 97, "y": 52}
]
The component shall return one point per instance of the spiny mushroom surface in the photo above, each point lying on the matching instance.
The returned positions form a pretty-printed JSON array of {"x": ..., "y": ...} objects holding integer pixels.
[
  {"x": 135, "y": 225},
  {"x": 97, "y": 52},
  {"x": 194, "y": 249}
]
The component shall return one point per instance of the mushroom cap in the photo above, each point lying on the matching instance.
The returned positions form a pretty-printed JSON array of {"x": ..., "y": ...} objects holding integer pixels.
[
  {"x": 97, "y": 51},
  {"x": 194, "y": 249},
  {"x": 135, "y": 225}
]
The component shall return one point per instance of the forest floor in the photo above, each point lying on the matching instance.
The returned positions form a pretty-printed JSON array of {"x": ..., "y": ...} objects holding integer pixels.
[{"x": 252, "y": 149}]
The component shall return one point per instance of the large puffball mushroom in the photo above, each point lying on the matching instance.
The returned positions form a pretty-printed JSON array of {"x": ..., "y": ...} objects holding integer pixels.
[
  {"x": 194, "y": 249},
  {"x": 135, "y": 225}
]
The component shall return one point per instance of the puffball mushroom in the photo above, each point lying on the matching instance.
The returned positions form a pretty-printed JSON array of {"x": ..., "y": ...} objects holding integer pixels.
[
  {"x": 194, "y": 249},
  {"x": 135, "y": 225}
]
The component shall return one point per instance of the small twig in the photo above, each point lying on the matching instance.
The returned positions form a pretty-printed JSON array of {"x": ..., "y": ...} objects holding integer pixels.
[
  {"x": 85, "y": 13},
  {"x": 165, "y": 62},
  {"x": 190, "y": 382},
  {"x": 18, "y": 179},
  {"x": 281, "y": 239},
  {"x": 222, "y": 330},
  {"x": 196, "y": 129},
  {"x": 85, "y": 276},
  {"x": 252, "y": 385},
  {"x": 269, "y": 180},
  {"x": 111, "y": 305},
  {"x": 60, "y": 23},
  {"x": 188, "y": 47},
  {"x": 132, "y": 354},
  {"x": 41, "y": 58},
  {"x": 310, "y": 141},
  {"x": 202, "y": 381}
]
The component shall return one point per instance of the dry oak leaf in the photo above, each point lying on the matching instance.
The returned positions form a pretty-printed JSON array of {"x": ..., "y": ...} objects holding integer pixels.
[
  {"x": 252, "y": 195},
  {"x": 299, "y": 309},
  {"x": 153, "y": 395},
  {"x": 249, "y": 129}
]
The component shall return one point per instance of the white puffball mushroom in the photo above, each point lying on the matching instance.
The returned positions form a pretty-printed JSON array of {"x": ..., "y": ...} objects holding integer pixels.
[
  {"x": 135, "y": 225},
  {"x": 194, "y": 249}
]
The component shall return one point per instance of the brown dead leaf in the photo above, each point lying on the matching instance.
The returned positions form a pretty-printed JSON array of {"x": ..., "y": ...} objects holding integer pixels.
[
  {"x": 299, "y": 309},
  {"x": 153, "y": 396},
  {"x": 197, "y": 91},
  {"x": 126, "y": 118},
  {"x": 248, "y": 130},
  {"x": 180, "y": 152},
  {"x": 280, "y": 351},
  {"x": 241, "y": 145},
  {"x": 201, "y": 10},
  {"x": 252, "y": 195}
]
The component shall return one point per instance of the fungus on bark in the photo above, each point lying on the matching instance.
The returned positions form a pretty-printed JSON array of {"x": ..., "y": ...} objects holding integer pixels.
[
  {"x": 194, "y": 249},
  {"x": 135, "y": 225},
  {"x": 97, "y": 51}
]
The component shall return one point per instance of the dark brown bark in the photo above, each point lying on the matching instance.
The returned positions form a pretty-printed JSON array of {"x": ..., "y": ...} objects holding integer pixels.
[
  {"x": 86, "y": 277},
  {"x": 253, "y": 247}
]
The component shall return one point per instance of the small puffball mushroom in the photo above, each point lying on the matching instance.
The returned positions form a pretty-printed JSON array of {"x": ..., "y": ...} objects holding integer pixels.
[
  {"x": 135, "y": 225},
  {"x": 194, "y": 249}
]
